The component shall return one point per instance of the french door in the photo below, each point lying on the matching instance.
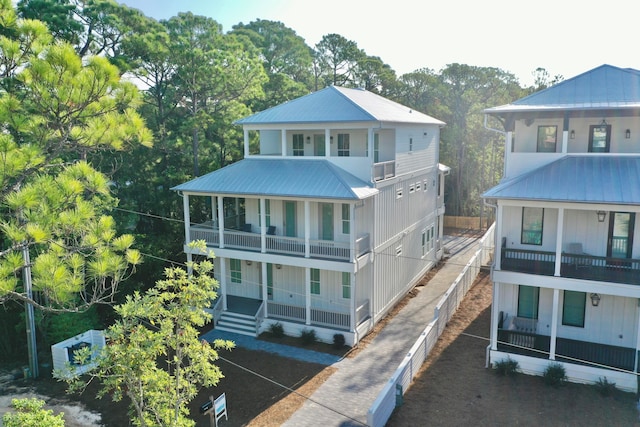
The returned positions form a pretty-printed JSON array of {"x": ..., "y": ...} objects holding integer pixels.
[{"x": 620, "y": 242}]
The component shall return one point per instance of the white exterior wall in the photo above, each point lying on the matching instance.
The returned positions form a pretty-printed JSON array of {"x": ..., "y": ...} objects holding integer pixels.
[
  {"x": 423, "y": 151},
  {"x": 270, "y": 142}
]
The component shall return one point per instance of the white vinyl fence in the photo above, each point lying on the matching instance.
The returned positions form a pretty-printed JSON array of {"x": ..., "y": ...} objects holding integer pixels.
[{"x": 392, "y": 393}]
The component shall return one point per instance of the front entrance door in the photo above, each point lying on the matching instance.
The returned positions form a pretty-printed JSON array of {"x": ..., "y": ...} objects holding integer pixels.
[
  {"x": 318, "y": 145},
  {"x": 290, "y": 218},
  {"x": 620, "y": 243},
  {"x": 326, "y": 210}
]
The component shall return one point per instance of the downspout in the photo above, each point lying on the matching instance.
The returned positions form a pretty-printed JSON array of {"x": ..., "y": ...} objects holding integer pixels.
[{"x": 493, "y": 297}]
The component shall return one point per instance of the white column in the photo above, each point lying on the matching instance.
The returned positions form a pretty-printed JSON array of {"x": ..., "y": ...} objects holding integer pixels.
[
  {"x": 223, "y": 282},
  {"x": 327, "y": 142},
  {"x": 283, "y": 141},
  {"x": 221, "y": 222},
  {"x": 214, "y": 212},
  {"x": 559, "y": 233},
  {"x": 554, "y": 324},
  {"x": 495, "y": 313},
  {"x": 635, "y": 363},
  {"x": 498, "y": 249},
  {"x": 507, "y": 150},
  {"x": 265, "y": 284},
  {"x": 370, "y": 149},
  {"x": 187, "y": 218},
  {"x": 352, "y": 230},
  {"x": 263, "y": 227},
  {"x": 352, "y": 303},
  {"x": 307, "y": 293},
  {"x": 565, "y": 141},
  {"x": 246, "y": 143},
  {"x": 307, "y": 228}
]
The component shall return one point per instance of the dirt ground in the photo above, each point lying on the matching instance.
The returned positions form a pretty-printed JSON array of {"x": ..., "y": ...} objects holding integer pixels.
[{"x": 453, "y": 388}]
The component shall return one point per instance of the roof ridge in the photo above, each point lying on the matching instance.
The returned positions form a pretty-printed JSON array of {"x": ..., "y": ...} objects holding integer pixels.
[{"x": 339, "y": 90}]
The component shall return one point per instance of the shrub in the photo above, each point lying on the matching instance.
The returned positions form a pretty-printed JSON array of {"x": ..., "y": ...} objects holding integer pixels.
[
  {"x": 277, "y": 330},
  {"x": 555, "y": 375},
  {"x": 338, "y": 341},
  {"x": 605, "y": 387},
  {"x": 308, "y": 336},
  {"x": 507, "y": 367}
]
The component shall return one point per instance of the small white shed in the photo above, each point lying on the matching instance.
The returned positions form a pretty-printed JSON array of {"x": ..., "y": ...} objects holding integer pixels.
[{"x": 62, "y": 353}]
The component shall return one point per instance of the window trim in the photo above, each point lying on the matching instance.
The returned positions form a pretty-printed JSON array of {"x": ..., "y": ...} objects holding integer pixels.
[
  {"x": 574, "y": 310},
  {"x": 343, "y": 145},
  {"x": 547, "y": 139},
  {"x": 314, "y": 282},
  {"x": 235, "y": 270},
  {"x": 346, "y": 218},
  {"x": 607, "y": 140},
  {"x": 536, "y": 292},
  {"x": 525, "y": 234},
  {"x": 346, "y": 285}
]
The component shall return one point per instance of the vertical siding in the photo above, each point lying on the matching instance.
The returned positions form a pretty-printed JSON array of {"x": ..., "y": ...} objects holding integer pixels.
[{"x": 423, "y": 151}]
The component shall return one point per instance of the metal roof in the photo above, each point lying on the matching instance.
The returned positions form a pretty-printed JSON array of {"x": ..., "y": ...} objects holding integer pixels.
[
  {"x": 606, "y": 179},
  {"x": 299, "y": 178},
  {"x": 604, "y": 87},
  {"x": 338, "y": 104}
]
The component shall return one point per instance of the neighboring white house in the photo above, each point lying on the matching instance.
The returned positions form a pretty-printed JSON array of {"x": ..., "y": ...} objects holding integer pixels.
[
  {"x": 329, "y": 221},
  {"x": 567, "y": 266}
]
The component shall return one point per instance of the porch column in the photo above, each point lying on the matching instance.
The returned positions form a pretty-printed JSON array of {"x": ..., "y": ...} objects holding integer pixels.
[
  {"x": 265, "y": 284},
  {"x": 187, "y": 218},
  {"x": 214, "y": 211},
  {"x": 565, "y": 134},
  {"x": 499, "y": 236},
  {"x": 370, "y": 148},
  {"x": 246, "y": 143},
  {"x": 189, "y": 263},
  {"x": 307, "y": 294},
  {"x": 283, "y": 142},
  {"x": 223, "y": 282},
  {"x": 263, "y": 227},
  {"x": 507, "y": 150},
  {"x": 352, "y": 302},
  {"x": 327, "y": 142},
  {"x": 559, "y": 242},
  {"x": 221, "y": 222},
  {"x": 554, "y": 324},
  {"x": 495, "y": 313},
  {"x": 635, "y": 362},
  {"x": 352, "y": 231},
  {"x": 307, "y": 228}
]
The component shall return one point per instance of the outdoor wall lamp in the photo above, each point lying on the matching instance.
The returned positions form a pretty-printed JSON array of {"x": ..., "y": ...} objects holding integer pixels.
[
  {"x": 278, "y": 266},
  {"x": 627, "y": 134},
  {"x": 595, "y": 299},
  {"x": 249, "y": 262},
  {"x": 308, "y": 140},
  {"x": 572, "y": 134},
  {"x": 601, "y": 215}
]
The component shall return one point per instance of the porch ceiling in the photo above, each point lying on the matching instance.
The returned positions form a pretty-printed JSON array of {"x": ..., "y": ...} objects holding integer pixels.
[
  {"x": 604, "y": 179},
  {"x": 299, "y": 178}
]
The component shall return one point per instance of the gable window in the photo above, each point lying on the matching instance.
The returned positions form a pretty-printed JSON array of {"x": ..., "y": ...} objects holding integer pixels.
[
  {"x": 346, "y": 225},
  {"x": 298, "y": 144},
  {"x": 236, "y": 270},
  {"x": 532, "y": 219},
  {"x": 599, "y": 138},
  {"x": 343, "y": 145},
  {"x": 573, "y": 305},
  {"x": 315, "y": 281},
  {"x": 528, "y": 297},
  {"x": 547, "y": 138},
  {"x": 346, "y": 285}
]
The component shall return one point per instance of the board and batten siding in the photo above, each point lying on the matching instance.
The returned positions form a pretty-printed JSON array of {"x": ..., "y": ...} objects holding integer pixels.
[
  {"x": 613, "y": 322},
  {"x": 416, "y": 148}
]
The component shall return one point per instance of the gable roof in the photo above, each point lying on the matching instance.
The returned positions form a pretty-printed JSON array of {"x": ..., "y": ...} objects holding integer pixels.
[
  {"x": 606, "y": 179},
  {"x": 604, "y": 87},
  {"x": 299, "y": 178},
  {"x": 339, "y": 104}
]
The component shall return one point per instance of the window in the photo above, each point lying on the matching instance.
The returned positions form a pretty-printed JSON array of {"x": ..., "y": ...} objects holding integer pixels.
[
  {"x": 346, "y": 226},
  {"x": 267, "y": 213},
  {"x": 298, "y": 144},
  {"x": 573, "y": 308},
  {"x": 346, "y": 285},
  {"x": 424, "y": 242},
  {"x": 528, "y": 297},
  {"x": 532, "y": 226},
  {"x": 236, "y": 270},
  {"x": 343, "y": 145},
  {"x": 412, "y": 188},
  {"x": 399, "y": 193},
  {"x": 315, "y": 281},
  {"x": 399, "y": 250},
  {"x": 599, "y": 138},
  {"x": 410, "y": 144},
  {"x": 547, "y": 137}
]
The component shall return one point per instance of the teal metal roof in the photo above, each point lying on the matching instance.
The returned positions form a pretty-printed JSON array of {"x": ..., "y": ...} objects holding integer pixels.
[
  {"x": 338, "y": 104},
  {"x": 604, "y": 87},
  {"x": 606, "y": 179},
  {"x": 299, "y": 178}
]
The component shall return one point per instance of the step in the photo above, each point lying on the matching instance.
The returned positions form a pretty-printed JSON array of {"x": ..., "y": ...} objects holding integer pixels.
[
  {"x": 251, "y": 333},
  {"x": 238, "y": 323}
]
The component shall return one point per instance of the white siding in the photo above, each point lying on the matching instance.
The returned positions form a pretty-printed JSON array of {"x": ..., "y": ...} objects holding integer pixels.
[{"x": 423, "y": 151}]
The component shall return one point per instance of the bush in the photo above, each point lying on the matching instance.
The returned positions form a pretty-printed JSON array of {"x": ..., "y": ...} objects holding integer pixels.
[
  {"x": 308, "y": 336},
  {"x": 555, "y": 375},
  {"x": 507, "y": 367},
  {"x": 605, "y": 387},
  {"x": 277, "y": 330},
  {"x": 338, "y": 341}
]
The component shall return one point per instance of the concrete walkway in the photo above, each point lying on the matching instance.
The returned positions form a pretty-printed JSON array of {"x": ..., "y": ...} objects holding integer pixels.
[{"x": 344, "y": 399}]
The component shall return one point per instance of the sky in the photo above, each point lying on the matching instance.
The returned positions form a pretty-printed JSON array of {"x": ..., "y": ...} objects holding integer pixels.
[{"x": 565, "y": 37}]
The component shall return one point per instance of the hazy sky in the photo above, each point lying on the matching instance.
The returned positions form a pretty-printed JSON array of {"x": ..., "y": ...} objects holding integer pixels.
[{"x": 567, "y": 37}]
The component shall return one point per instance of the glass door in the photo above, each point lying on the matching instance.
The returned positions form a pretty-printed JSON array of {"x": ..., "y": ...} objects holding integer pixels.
[
  {"x": 318, "y": 145},
  {"x": 599, "y": 138},
  {"x": 326, "y": 210},
  {"x": 290, "y": 218},
  {"x": 620, "y": 243}
]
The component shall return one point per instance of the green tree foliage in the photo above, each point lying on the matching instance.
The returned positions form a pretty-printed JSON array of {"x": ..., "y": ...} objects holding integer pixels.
[
  {"x": 155, "y": 356},
  {"x": 56, "y": 111},
  {"x": 30, "y": 413},
  {"x": 336, "y": 61}
]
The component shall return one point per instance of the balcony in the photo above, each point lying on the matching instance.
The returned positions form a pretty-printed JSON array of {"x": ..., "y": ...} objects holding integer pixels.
[
  {"x": 384, "y": 170},
  {"x": 567, "y": 350},
  {"x": 575, "y": 266},
  {"x": 282, "y": 245}
]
